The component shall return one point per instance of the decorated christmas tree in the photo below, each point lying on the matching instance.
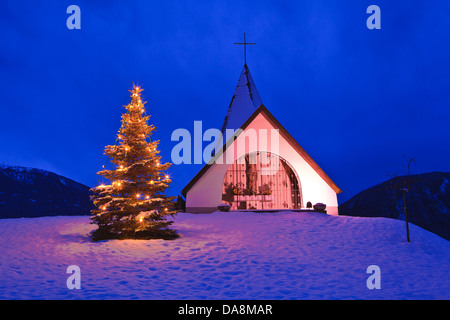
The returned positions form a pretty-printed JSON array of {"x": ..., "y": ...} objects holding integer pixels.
[{"x": 134, "y": 205}]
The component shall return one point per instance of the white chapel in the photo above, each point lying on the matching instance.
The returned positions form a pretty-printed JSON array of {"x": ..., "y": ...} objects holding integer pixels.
[{"x": 260, "y": 166}]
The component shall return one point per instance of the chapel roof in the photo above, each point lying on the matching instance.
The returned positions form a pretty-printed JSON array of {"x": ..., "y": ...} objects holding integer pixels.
[{"x": 244, "y": 102}]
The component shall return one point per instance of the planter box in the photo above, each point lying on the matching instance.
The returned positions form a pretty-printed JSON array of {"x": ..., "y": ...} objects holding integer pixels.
[
  {"x": 259, "y": 197},
  {"x": 320, "y": 207},
  {"x": 224, "y": 207}
]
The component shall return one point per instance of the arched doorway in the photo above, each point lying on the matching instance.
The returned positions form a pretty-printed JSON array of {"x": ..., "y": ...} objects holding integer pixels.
[{"x": 261, "y": 181}]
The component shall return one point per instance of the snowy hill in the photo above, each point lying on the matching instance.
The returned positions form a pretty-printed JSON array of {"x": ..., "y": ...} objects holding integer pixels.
[
  {"x": 428, "y": 202},
  {"x": 235, "y": 255},
  {"x": 29, "y": 192}
]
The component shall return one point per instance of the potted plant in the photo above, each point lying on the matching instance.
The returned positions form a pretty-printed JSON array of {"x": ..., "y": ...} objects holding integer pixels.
[
  {"x": 237, "y": 192},
  {"x": 227, "y": 193},
  {"x": 265, "y": 189},
  {"x": 249, "y": 193},
  {"x": 230, "y": 192}
]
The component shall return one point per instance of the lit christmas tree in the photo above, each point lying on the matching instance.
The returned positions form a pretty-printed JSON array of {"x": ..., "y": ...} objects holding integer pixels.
[{"x": 134, "y": 205}]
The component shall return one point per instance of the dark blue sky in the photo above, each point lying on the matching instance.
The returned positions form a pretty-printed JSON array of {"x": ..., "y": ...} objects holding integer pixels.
[{"x": 355, "y": 99}]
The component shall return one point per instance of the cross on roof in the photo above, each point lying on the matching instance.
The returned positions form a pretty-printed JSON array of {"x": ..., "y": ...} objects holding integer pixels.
[{"x": 245, "y": 47}]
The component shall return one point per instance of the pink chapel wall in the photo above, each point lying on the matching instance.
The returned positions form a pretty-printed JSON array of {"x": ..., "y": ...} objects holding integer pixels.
[{"x": 206, "y": 194}]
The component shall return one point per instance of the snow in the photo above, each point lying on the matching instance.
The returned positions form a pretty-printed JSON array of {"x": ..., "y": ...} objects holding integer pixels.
[
  {"x": 63, "y": 181},
  {"x": 226, "y": 255},
  {"x": 21, "y": 174},
  {"x": 444, "y": 185}
]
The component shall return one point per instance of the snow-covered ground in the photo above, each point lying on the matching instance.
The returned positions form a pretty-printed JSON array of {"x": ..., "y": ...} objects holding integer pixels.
[{"x": 237, "y": 255}]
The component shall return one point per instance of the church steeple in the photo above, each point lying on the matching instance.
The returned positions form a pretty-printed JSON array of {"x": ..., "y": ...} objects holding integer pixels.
[{"x": 244, "y": 102}]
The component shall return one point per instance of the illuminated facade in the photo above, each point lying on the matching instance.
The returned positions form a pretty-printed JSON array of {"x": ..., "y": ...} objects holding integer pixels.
[{"x": 261, "y": 167}]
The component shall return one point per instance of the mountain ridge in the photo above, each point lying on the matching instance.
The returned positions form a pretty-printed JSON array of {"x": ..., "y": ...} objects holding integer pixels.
[
  {"x": 29, "y": 192},
  {"x": 427, "y": 201}
]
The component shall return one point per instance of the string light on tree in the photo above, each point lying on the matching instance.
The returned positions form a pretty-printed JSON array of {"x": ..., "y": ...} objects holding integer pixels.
[{"x": 137, "y": 207}]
